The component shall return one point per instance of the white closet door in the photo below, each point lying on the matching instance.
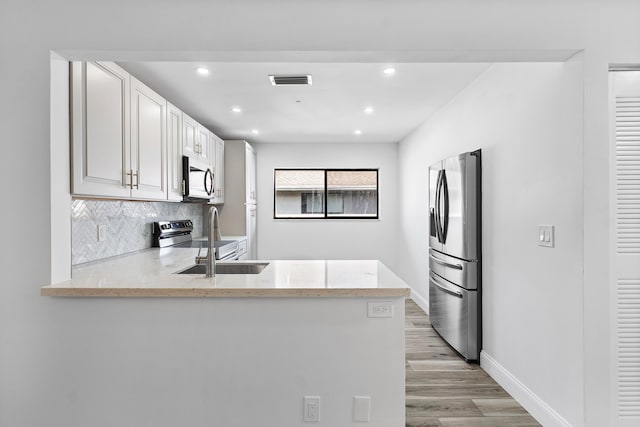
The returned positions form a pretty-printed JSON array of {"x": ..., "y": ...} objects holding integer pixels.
[{"x": 625, "y": 287}]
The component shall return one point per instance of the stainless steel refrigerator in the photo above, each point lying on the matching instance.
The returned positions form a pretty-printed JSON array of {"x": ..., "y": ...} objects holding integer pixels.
[{"x": 455, "y": 260}]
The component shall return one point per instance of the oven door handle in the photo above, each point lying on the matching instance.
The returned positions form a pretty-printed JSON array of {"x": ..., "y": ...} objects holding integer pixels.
[{"x": 231, "y": 257}]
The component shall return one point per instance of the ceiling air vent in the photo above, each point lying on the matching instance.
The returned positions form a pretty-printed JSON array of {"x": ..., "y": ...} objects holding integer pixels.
[{"x": 304, "y": 79}]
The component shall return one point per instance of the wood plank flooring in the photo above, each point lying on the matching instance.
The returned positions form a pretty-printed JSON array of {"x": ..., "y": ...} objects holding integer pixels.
[{"x": 443, "y": 390}]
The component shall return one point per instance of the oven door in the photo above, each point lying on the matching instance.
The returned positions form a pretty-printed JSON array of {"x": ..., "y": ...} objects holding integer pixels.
[{"x": 198, "y": 179}]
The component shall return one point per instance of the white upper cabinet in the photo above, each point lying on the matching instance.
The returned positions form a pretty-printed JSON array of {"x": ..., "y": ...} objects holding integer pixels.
[
  {"x": 118, "y": 134},
  {"x": 174, "y": 153},
  {"x": 148, "y": 143},
  {"x": 217, "y": 148},
  {"x": 250, "y": 167},
  {"x": 128, "y": 141},
  {"x": 189, "y": 136},
  {"x": 100, "y": 129},
  {"x": 195, "y": 139},
  {"x": 203, "y": 143}
]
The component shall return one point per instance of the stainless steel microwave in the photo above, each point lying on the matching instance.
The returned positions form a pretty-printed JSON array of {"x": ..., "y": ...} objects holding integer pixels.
[{"x": 197, "y": 180}]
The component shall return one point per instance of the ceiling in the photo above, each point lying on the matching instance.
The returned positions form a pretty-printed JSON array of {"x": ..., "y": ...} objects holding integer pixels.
[{"x": 328, "y": 111}]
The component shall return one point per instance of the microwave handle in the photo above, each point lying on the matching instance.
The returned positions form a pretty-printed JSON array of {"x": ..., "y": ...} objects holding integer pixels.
[{"x": 208, "y": 190}]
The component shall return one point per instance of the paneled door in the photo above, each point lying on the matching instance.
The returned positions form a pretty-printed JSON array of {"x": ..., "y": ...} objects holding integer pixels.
[
  {"x": 100, "y": 129},
  {"x": 174, "y": 153},
  {"x": 148, "y": 143},
  {"x": 625, "y": 284}
]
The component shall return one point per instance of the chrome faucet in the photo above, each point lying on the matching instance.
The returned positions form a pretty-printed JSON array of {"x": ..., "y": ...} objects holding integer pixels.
[{"x": 214, "y": 234}]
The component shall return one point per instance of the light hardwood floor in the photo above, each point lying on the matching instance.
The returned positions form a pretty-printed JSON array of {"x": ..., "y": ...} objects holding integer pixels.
[{"x": 443, "y": 390}]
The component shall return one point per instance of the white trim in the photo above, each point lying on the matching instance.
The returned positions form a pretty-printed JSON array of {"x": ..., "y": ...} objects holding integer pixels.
[
  {"x": 537, "y": 407},
  {"x": 422, "y": 302}
]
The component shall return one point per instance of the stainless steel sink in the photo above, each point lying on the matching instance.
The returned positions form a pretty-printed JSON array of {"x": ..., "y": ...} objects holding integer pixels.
[{"x": 244, "y": 268}]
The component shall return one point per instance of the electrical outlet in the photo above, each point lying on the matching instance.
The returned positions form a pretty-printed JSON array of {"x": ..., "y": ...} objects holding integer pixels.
[
  {"x": 311, "y": 409},
  {"x": 102, "y": 233},
  {"x": 380, "y": 309},
  {"x": 361, "y": 408}
]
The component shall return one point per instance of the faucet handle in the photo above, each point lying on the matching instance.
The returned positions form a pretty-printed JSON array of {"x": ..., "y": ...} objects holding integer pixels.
[{"x": 200, "y": 259}]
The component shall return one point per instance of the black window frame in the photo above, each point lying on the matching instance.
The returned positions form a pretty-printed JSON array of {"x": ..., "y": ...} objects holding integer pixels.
[{"x": 326, "y": 215}]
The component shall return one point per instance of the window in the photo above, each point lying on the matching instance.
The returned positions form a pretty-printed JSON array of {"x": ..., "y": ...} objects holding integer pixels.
[
  {"x": 325, "y": 193},
  {"x": 312, "y": 203}
]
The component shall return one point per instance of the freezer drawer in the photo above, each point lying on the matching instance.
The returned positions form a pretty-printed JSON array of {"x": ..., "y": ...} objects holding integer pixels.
[
  {"x": 460, "y": 272},
  {"x": 453, "y": 312}
]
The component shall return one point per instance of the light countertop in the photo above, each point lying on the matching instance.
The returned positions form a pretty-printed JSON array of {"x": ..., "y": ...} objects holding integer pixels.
[{"x": 152, "y": 273}]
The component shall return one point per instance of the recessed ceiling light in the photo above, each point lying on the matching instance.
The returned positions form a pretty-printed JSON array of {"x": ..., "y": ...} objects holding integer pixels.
[
  {"x": 357, "y": 132},
  {"x": 202, "y": 71},
  {"x": 368, "y": 110},
  {"x": 254, "y": 131},
  {"x": 236, "y": 109},
  {"x": 389, "y": 71}
]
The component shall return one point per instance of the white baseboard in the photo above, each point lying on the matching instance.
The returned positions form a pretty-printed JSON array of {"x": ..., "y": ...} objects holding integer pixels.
[
  {"x": 537, "y": 407},
  {"x": 420, "y": 300}
]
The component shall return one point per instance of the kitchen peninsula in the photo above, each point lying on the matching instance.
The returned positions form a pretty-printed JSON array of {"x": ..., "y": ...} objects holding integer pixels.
[
  {"x": 155, "y": 273},
  {"x": 327, "y": 329}
]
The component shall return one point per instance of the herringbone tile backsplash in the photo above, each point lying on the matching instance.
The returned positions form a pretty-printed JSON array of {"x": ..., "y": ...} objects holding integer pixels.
[{"x": 129, "y": 225}]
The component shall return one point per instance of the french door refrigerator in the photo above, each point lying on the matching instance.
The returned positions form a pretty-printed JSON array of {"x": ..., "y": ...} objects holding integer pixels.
[{"x": 455, "y": 252}]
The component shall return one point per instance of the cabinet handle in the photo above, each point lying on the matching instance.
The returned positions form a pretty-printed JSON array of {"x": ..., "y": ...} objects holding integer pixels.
[
  {"x": 130, "y": 179},
  {"x": 131, "y": 174}
]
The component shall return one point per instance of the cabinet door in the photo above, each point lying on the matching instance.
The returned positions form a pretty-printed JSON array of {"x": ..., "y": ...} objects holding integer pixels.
[
  {"x": 203, "y": 143},
  {"x": 148, "y": 143},
  {"x": 174, "y": 153},
  {"x": 251, "y": 226},
  {"x": 250, "y": 171},
  {"x": 189, "y": 136},
  {"x": 100, "y": 129},
  {"x": 212, "y": 155},
  {"x": 220, "y": 169},
  {"x": 217, "y": 160}
]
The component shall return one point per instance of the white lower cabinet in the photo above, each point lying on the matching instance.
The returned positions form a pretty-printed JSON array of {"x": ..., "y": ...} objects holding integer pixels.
[
  {"x": 118, "y": 134},
  {"x": 242, "y": 250}
]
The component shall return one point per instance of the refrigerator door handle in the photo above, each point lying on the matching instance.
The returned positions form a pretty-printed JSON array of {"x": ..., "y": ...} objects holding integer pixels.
[
  {"x": 444, "y": 288},
  {"x": 445, "y": 222},
  {"x": 437, "y": 213},
  {"x": 446, "y": 264}
]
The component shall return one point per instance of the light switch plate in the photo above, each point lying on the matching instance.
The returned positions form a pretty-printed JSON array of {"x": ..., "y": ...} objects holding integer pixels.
[{"x": 546, "y": 236}]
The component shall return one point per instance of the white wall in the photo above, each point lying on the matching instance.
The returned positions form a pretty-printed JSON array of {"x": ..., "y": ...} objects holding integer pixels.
[
  {"x": 335, "y": 238},
  {"x": 527, "y": 119},
  {"x": 457, "y": 30}
]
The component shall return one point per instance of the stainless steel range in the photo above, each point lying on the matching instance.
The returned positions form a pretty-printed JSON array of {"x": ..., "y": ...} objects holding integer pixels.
[{"x": 177, "y": 234}]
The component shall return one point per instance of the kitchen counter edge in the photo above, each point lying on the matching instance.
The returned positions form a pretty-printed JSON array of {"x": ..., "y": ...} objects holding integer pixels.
[{"x": 52, "y": 291}]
